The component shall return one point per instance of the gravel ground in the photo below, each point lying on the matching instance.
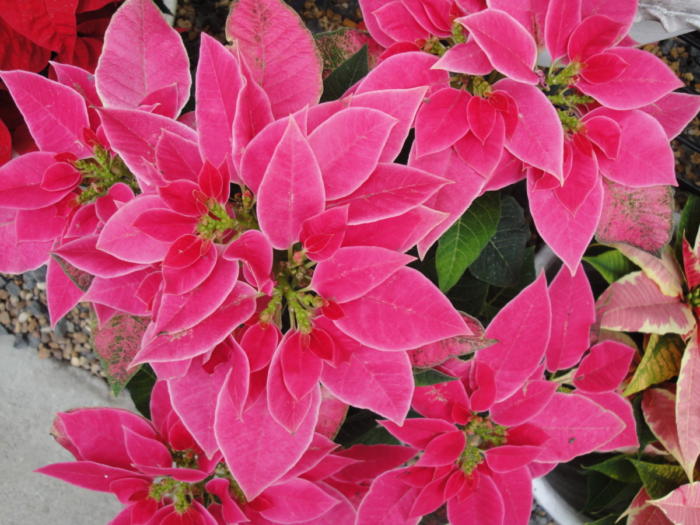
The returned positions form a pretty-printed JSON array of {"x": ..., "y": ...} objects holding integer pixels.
[{"x": 23, "y": 311}]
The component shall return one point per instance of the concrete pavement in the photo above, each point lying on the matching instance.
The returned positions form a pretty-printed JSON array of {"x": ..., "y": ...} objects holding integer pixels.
[{"x": 32, "y": 390}]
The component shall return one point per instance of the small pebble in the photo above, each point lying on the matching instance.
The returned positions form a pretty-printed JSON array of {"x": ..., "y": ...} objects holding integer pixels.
[{"x": 13, "y": 289}]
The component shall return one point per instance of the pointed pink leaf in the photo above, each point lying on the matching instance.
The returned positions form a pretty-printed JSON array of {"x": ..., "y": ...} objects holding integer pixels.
[
  {"x": 280, "y": 52},
  {"x": 634, "y": 303},
  {"x": 55, "y": 114},
  {"x": 687, "y": 417},
  {"x": 194, "y": 398},
  {"x": 448, "y": 401},
  {"x": 515, "y": 488},
  {"x": 567, "y": 234},
  {"x": 507, "y": 458},
  {"x": 388, "y": 502},
  {"x": 398, "y": 233},
  {"x": 525, "y": 403},
  {"x": 573, "y": 314},
  {"x": 257, "y": 449},
  {"x": 418, "y": 432},
  {"x": 576, "y": 425},
  {"x": 622, "y": 408},
  {"x": 238, "y": 307},
  {"x": 83, "y": 254},
  {"x": 146, "y": 451},
  {"x": 379, "y": 381},
  {"x": 530, "y": 13},
  {"x": 252, "y": 113},
  {"x": 87, "y": 474},
  {"x": 443, "y": 450},
  {"x": 291, "y": 190},
  {"x": 538, "y": 138},
  {"x": 322, "y": 234},
  {"x": 301, "y": 369},
  {"x": 645, "y": 158},
  {"x": 483, "y": 156},
  {"x": 286, "y": 409},
  {"x": 141, "y": 54},
  {"x": 62, "y": 293},
  {"x": 605, "y": 133},
  {"x": 256, "y": 156},
  {"x": 348, "y": 146},
  {"x": 651, "y": 78},
  {"x": 259, "y": 342},
  {"x": 593, "y": 35},
  {"x": 622, "y": 11},
  {"x": 403, "y": 71},
  {"x": 452, "y": 199},
  {"x": 75, "y": 431},
  {"x": 219, "y": 81},
  {"x": 404, "y": 312},
  {"x": 176, "y": 313},
  {"x": 177, "y": 157},
  {"x": 401, "y": 104},
  {"x": 120, "y": 238},
  {"x": 435, "y": 354},
  {"x": 441, "y": 121},
  {"x": 484, "y": 505},
  {"x": 296, "y": 500},
  {"x": 353, "y": 271},
  {"x": 674, "y": 112},
  {"x": 514, "y": 57},
  {"x": 604, "y": 367},
  {"x": 397, "y": 22},
  {"x": 522, "y": 330},
  {"x": 331, "y": 414},
  {"x": 681, "y": 506},
  {"x": 255, "y": 250},
  {"x": 392, "y": 189},
  {"x": 466, "y": 58},
  {"x": 134, "y": 134},
  {"x": 562, "y": 17},
  {"x": 21, "y": 182}
]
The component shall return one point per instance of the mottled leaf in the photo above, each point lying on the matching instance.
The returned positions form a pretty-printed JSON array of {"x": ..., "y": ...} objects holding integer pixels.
[
  {"x": 431, "y": 377},
  {"x": 345, "y": 75},
  {"x": 117, "y": 342},
  {"x": 659, "y": 478},
  {"x": 661, "y": 361},
  {"x": 642, "y": 217},
  {"x": 687, "y": 401}
]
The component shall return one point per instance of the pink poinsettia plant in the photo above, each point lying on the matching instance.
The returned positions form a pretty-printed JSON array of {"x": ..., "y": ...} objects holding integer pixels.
[{"x": 258, "y": 254}]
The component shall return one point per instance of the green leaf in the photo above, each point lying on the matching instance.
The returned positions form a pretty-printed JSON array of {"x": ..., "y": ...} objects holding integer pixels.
[
  {"x": 349, "y": 72},
  {"x": 430, "y": 376},
  {"x": 376, "y": 436},
  {"x": 611, "y": 265},
  {"x": 661, "y": 362},
  {"x": 463, "y": 242},
  {"x": 610, "y": 519},
  {"x": 140, "y": 387},
  {"x": 659, "y": 478},
  {"x": 689, "y": 221},
  {"x": 498, "y": 298},
  {"x": 644, "y": 433},
  {"x": 605, "y": 495},
  {"x": 501, "y": 261},
  {"x": 469, "y": 295},
  {"x": 618, "y": 468}
]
